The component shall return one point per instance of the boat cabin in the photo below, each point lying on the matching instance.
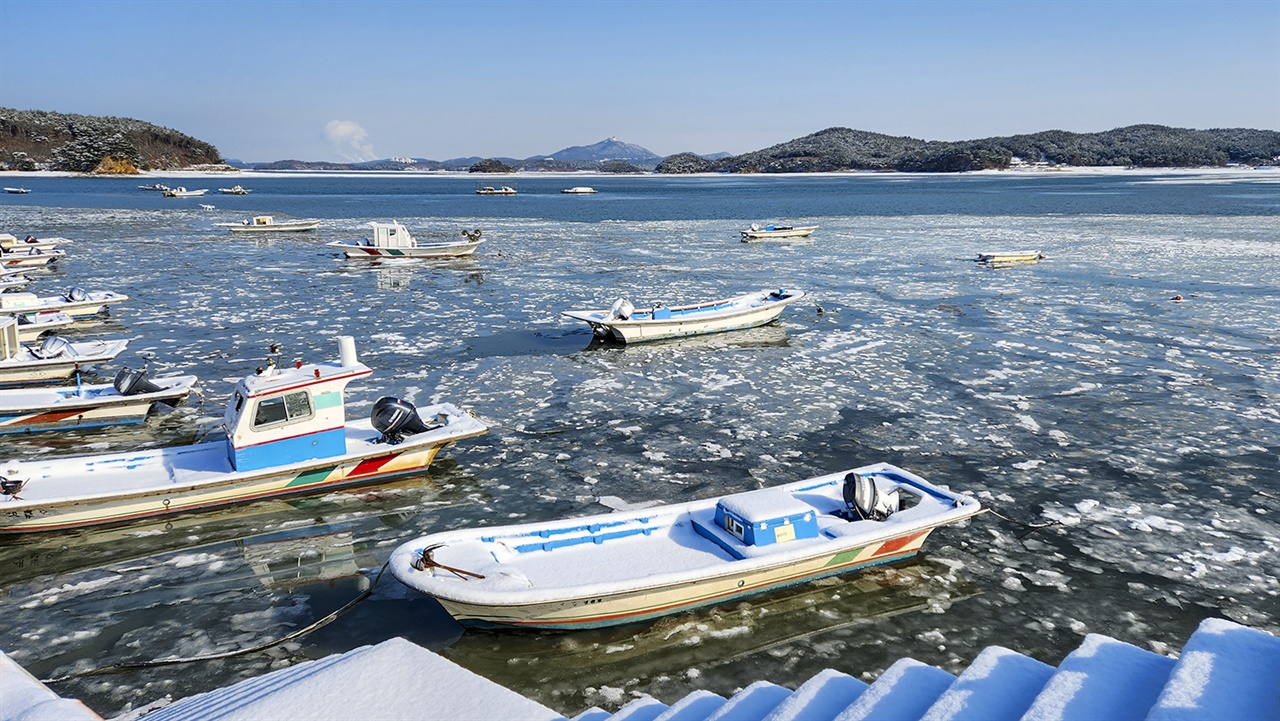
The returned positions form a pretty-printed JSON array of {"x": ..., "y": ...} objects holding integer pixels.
[
  {"x": 8, "y": 337},
  {"x": 282, "y": 416},
  {"x": 391, "y": 235},
  {"x": 264, "y": 220}
]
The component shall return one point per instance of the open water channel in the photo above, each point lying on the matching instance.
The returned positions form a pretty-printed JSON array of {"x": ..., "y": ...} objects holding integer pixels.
[{"x": 1071, "y": 390}]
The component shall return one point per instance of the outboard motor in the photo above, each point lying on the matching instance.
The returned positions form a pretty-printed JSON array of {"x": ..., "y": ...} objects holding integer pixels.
[
  {"x": 53, "y": 347},
  {"x": 863, "y": 499},
  {"x": 131, "y": 382},
  {"x": 76, "y": 294},
  {"x": 395, "y": 418},
  {"x": 11, "y": 486},
  {"x": 621, "y": 310}
]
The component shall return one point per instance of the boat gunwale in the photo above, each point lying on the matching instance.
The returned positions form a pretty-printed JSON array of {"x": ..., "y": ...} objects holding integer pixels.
[
  {"x": 731, "y": 312},
  {"x": 182, "y": 385}
]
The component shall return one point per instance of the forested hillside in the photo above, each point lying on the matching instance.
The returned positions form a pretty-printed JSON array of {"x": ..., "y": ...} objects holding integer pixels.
[{"x": 40, "y": 140}]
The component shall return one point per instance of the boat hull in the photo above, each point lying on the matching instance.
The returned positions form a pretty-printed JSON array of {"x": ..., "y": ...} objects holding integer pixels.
[
  {"x": 747, "y": 311},
  {"x": 756, "y": 235},
  {"x": 1013, "y": 258},
  {"x": 27, "y": 370},
  {"x": 31, "y": 411},
  {"x": 459, "y": 250},
  {"x": 275, "y": 227},
  {"x": 24, "y": 260}
]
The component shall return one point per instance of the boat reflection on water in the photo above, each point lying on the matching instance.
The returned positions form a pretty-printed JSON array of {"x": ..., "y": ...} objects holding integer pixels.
[{"x": 555, "y": 666}]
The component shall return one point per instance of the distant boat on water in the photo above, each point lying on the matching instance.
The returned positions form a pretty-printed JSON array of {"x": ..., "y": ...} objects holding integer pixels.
[
  {"x": 490, "y": 190},
  {"x": 17, "y": 191},
  {"x": 580, "y": 190}
]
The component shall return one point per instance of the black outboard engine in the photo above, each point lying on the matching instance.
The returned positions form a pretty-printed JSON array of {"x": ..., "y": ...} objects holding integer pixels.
[
  {"x": 395, "y": 419},
  {"x": 131, "y": 382},
  {"x": 76, "y": 294},
  {"x": 862, "y": 498}
]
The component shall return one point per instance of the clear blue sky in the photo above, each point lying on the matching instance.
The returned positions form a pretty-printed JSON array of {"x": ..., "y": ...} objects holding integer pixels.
[{"x": 274, "y": 79}]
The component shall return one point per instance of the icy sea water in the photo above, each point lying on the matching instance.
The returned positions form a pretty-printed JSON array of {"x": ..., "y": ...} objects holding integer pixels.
[{"x": 1072, "y": 390}]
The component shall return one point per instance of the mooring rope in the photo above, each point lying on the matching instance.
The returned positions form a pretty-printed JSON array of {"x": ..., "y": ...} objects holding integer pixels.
[{"x": 135, "y": 665}]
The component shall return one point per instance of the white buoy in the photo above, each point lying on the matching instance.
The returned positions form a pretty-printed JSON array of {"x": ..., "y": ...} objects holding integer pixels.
[{"x": 347, "y": 351}]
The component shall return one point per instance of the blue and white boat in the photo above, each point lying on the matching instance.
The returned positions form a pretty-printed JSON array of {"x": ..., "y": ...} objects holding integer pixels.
[
  {"x": 125, "y": 400},
  {"x": 628, "y": 324},
  {"x": 54, "y": 360}
]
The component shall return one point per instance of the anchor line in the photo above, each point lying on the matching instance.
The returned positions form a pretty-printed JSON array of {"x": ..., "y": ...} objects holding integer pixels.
[{"x": 136, "y": 665}]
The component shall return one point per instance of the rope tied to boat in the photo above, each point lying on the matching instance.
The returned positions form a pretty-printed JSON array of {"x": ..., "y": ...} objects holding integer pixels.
[{"x": 427, "y": 560}]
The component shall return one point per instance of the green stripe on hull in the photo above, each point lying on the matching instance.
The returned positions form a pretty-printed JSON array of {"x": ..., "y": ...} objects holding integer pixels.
[
  {"x": 844, "y": 557},
  {"x": 308, "y": 477}
]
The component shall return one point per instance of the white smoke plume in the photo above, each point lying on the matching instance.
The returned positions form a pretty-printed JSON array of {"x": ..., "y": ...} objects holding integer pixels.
[{"x": 349, "y": 140}]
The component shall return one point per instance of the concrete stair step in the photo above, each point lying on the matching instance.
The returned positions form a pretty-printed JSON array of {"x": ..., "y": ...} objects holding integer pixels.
[
  {"x": 1226, "y": 671},
  {"x": 821, "y": 698},
  {"x": 999, "y": 685},
  {"x": 697, "y": 706},
  {"x": 902, "y": 693},
  {"x": 1102, "y": 679},
  {"x": 644, "y": 708},
  {"x": 752, "y": 703}
]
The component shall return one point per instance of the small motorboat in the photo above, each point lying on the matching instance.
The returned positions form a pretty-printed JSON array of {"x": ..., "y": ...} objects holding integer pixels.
[
  {"x": 126, "y": 400},
  {"x": 269, "y": 224},
  {"x": 490, "y": 190},
  {"x": 21, "y": 256},
  {"x": 9, "y": 241},
  {"x": 12, "y": 278},
  {"x": 392, "y": 240},
  {"x": 580, "y": 190},
  {"x": 235, "y": 190},
  {"x": 286, "y": 435},
  {"x": 17, "y": 191},
  {"x": 624, "y": 322},
  {"x": 54, "y": 360},
  {"x": 1002, "y": 259},
  {"x": 181, "y": 192},
  {"x": 639, "y": 565},
  {"x": 32, "y": 326},
  {"x": 777, "y": 232},
  {"x": 154, "y": 186},
  {"x": 76, "y": 302}
]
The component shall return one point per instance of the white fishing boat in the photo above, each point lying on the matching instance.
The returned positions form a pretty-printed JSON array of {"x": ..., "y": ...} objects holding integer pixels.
[
  {"x": 8, "y": 241},
  {"x": 286, "y": 435},
  {"x": 269, "y": 224},
  {"x": 181, "y": 192},
  {"x": 1016, "y": 257},
  {"x": 638, "y": 565},
  {"x": 235, "y": 190},
  {"x": 76, "y": 302},
  {"x": 128, "y": 399},
  {"x": 12, "y": 278},
  {"x": 17, "y": 191},
  {"x": 777, "y": 232},
  {"x": 490, "y": 190},
  {"x": 55, "y": 359},
  {"x": 624, "y": 322},
  {"x": 392, "y": 240},
  {"x": 154, "y": 186},
  {"x": 24, "y": 257},
  {"x": 32, "y": 326},
  {"x": 580, "y": 190}
]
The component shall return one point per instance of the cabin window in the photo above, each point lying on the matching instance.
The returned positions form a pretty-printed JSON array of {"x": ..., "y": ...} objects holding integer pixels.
[
  {"x": 732, "y": 525},
  {"x": 282, "y": 409}
]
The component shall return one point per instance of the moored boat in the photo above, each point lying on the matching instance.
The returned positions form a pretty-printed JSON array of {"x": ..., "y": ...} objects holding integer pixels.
[
  {"x": 490, "y": 190},
  {"x": 11, "y": 278},
  {"x": 1016, "y": 257},
  {"x": 10, "y": 242},
  {"x": 638, "y": 565},
  {"x": 580, "y": 190},
  {"x": 21, "y": 257},
  {"x": 624, "y": 322},
  {"x": 286, "y": 435},
  {"x": 776, "y": 232},
  {"x": 269, "y": 224},
  {"x": 54, "y": 360},
  {"x": 17, "y": 191},
  {"x": 76, "y": 302},
  {"x": 235, "y": 190},
  {"x": 32, "y": 326},
  {"x": 125, "y": 400},
  {"x": 181, "y": 192},
  {"x": 393, "y": 240}
]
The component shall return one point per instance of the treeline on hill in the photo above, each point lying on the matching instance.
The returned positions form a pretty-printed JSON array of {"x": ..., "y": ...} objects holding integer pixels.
[
  {"x": 1144, "y": 146},
  {"x": 40, "y": 140}
]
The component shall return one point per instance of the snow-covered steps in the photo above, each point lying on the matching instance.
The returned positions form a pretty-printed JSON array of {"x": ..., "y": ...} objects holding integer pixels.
[
  {"x": 999, "y": 685},
  {"x": 642, "y": 709},
  {"x": 820, "y": 698},
  {"x": 904, "y": 691},
  {"x": 1226, "y": 671},
  {"x": 24, "y": 698},
  {"x": 697, "y": 706},
  {"x": 1102, "y": 679},
  {"x": 752, "y": 703}
]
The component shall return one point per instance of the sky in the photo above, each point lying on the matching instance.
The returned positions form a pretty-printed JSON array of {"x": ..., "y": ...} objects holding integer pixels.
[{"x": 347, "y": 80}]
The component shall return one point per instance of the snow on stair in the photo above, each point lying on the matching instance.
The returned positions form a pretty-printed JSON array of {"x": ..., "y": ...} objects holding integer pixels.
[
  {"x": 645, "y": 708},
  {"x": 1226, "y": 671},
  {"x": 998, "y": 686},
  {"x": 820, "y": 698},
  {"x": 902, "y": 693},
  {"x": 752, "y": 703},
  {"x": 23, "y": 698},
  {"x": 595, "y": 713},
  {"x": 1102, "y": 679},
  {"x": 697, "y": 706}
]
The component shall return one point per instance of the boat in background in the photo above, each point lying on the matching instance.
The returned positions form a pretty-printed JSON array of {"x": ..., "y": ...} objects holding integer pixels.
[
  {"x": 21, "y": 256},
  {"x": 235, "y": 190},
  {"x": 181, "y": 192},
  {"x": 776, "y": 232},
  {"x": 392, "y": 240},
  {"x": 17, "y": 191},
  {"x": 154, "y": 186},
  {"x": 1004, "y": 259},
  {"x": 269, "y": 224},
  {"x": 286, "y": 435},
  {"x": 126, "y": 400},
  {"x": 624, "y": 322},
  {"x": 76, "y": 302},
  {"x": 490, "y": 190},
  {"x": 580, "y": 190},
  {"x": 32, "y": 326},
  {"x": 54, "y": 360},
  {"x": 9, "y": 241},
  {"x": 11, "y": 278},
  {"x": 629, "y": 566}
]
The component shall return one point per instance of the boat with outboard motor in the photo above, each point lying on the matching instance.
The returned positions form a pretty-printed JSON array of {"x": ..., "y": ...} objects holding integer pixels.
[
  {"x": 8, "y": 241},
  {"x": 12, "y": 278},
  {"x": 17, "y": 191},
  {"x": 776, "y": 232},
  {"x": 392, "y": 240},
  {"x": 638, "y": 565},
  {"x": 269, "y": 224},
  {"x": 76, "y": 302},
  {"x": 182, "y": 192},
  {"x": 32, "y": 326},
  {"x": 286, "y": 435},
  {"x": 125, "y": 400},
  {"x": 1006, "y": 258},
  {"x": 490, "y": 190},
  {"x": 235, "y": 190},
  {"x": 624, "y": 322},
  {"x": 580, "y": 190},
  {"x": 54, "y": 360},
  {"x": 20, "y": 256}
]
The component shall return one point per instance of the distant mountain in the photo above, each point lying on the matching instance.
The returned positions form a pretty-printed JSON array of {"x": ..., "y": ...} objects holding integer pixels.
[
  {"x": 608, "y": 149},
  {"x": 36, "y": 139}
]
